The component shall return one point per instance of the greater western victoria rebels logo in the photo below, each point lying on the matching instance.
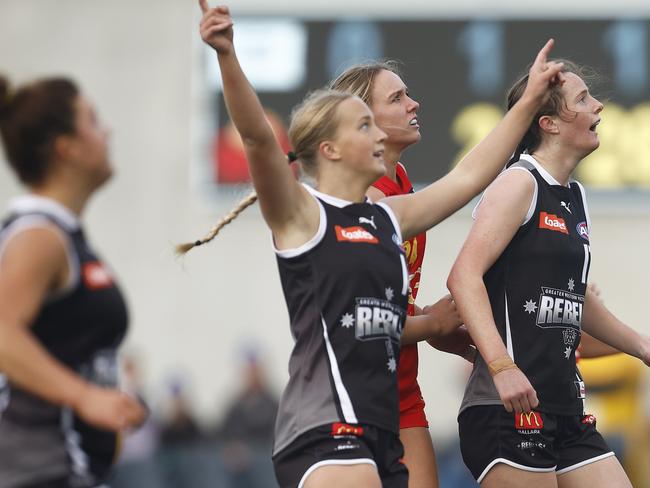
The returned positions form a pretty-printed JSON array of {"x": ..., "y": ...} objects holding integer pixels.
[
  {"x": 378, "y": 319},
  {"x": 559, "y": 308}
]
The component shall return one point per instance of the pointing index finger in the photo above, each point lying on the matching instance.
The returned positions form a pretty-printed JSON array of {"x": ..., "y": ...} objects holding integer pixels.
[
  {"x": 204, "y": 6},
  {"x": 542, "y": 56}
]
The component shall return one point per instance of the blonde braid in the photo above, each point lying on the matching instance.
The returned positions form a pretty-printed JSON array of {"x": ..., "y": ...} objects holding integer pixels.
[{"x": 243, "y": 204}]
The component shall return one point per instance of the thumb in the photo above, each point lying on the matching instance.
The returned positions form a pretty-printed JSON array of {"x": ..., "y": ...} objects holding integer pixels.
[{"x": 204, "y": 6}]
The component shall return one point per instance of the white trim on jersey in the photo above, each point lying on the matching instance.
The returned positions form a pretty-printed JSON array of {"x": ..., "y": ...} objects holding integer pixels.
[
  {"x": 398, "y": 232},
  {"x": 585, "y": 265},
  {"x": 311, "y": 243},
  {"x": 79, "y": 461},
  {"x": 533, "y": 201},
  {"x": 28, "y": 222},
  {"x": 514, "y": 465},
  {"x": 584, "y": 203},
  {"x": 511, "y": 351},
  {"x": 584, "y": 398},
  {"x": 337, "y": 202},
  {"x": 584, "y": 463},
  {"x": 548, "y": 177},
  {"x": 334, "y": 462},
  {"x": 344, "y": 398},
  {"x": 36, "y": 203}
]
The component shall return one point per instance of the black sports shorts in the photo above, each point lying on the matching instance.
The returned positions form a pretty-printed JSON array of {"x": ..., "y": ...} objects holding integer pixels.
[
  {"x": 534, "y": 441},
  {"x": 342, "y": 444}
]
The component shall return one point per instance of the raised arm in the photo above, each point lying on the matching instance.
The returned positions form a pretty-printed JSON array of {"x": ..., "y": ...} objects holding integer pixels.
[
  {"x": 33, "y": 264},
  {"x": 498, "y": 217},
  {"x": 291, "y": 213},
  {"x": 422, "y": 210}
]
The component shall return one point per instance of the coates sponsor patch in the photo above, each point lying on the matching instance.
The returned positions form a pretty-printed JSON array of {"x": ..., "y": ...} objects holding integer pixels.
[
  {"x": 583, "y": 230},
  {"x": 354, "y": 234},
  {"x": 346, "y": 429},
  {"x": 552, "y": 222},
  {"x": 529, "y": 421},
  {"x": 95, "y": 276}
]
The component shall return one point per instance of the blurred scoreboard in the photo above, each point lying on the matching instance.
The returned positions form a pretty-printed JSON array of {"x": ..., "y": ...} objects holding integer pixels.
[{"x": 460, "y": 71}]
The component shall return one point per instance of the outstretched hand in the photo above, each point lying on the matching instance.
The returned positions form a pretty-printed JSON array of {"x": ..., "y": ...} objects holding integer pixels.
[
  {"x": 543, "y": 75},
  {"x": 216, "y": 27}
]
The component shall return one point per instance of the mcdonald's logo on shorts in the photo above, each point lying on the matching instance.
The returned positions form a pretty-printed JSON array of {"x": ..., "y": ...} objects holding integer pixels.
[
  {"x": 529, "y": 421},
  {"x": 346, "y": 429}
]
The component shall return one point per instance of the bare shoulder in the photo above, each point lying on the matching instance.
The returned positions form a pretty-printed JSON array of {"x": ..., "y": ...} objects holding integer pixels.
[
  {"x": 35, "y": 251},
  {"x": 512, "y": 185}
]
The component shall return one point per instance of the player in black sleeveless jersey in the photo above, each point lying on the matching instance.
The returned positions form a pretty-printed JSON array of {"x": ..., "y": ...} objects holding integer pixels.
[
  {"x": 61, "y": 314},
  {"x": 520, "y": 283},
  {"x": 343, "y": 270}
]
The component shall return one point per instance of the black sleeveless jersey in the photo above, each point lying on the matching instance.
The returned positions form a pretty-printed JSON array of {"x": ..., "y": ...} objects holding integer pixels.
[
  {"x": 537, "y": 291},
  {"x": 346, "y": 291},
  {"x": 81, "y": 327}
]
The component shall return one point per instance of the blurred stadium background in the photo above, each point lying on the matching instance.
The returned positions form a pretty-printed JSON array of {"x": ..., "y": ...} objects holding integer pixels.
[{"x": 204, "y": 325}]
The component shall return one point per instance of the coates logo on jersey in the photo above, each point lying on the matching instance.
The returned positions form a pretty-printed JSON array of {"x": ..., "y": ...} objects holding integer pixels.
[
  {"x": 354, "y": 234},
  {"x": 95, "y": 276},
  {"x": 583, "y": 230},
  {"x": 378, "y": 319},
  {"x": 552, "y": 222},
  {"x": 529, "y": 422},
  {"x": 339, "y": 429}
]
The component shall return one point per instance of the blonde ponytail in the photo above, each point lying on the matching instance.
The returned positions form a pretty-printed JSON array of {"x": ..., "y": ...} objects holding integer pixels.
[{"x": 250, "y": 199}]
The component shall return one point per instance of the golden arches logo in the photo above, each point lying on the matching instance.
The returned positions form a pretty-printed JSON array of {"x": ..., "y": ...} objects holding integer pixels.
[{"x": 529, "y": 420}]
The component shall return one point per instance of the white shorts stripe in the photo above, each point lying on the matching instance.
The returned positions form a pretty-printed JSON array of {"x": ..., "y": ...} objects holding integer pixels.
[
  {"x": 334, "y": 462},
  {"x": 514, "y": 465},
  {"x": 344, "y": 398},
  {"x": 584, "y": 463}
]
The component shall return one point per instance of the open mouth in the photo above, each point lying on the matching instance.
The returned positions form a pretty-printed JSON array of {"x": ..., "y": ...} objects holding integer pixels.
[
  {"x": 414, "y": 121},
  {"x": 592, "y": 128}
]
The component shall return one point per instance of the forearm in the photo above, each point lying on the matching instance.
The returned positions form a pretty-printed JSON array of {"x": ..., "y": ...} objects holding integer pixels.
[
  {"x": 418, "y": 328},
  {"x": 27, "y": 364},
  {"x": 473, "y": 303},
  {"x": 486, "y": 160},
  {"x": 243, "y": 104},
  {"x": 418, "y": 212},
  {"x": 604, "y": 326},
  {"x": 590, "y": 347}
]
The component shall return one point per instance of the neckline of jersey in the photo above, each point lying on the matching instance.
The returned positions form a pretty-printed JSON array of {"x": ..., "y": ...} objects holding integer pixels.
[
  {"x": 548, "y": 177},
  {"x": 36, "y": 203},
  {"x": 335, "y": 201}
]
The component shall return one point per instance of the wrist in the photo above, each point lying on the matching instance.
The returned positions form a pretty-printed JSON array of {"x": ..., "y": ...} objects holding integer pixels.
[
  {"x": 78, "y": 394},
  {"x": 529, "y": 104},
  {"x": 501, "y": 364}
]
